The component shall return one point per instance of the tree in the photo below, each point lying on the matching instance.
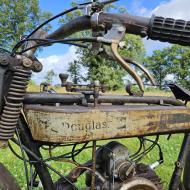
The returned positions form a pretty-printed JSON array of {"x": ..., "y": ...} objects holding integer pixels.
[
  {"x": 18, "y": 18},
  {"x": 173, "y": 61},
  {"x": 105, "y": 70},
  {"x": 49, "y": 76},
  {"x": 75, "y": 71},
  {"x": 178, "y": 58},
  {"x": 134, "y": 48},
  {"x": 159, "y": 66}
]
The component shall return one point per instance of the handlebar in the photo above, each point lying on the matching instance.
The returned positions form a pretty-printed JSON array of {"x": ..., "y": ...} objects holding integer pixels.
[
  {"x": 155, "y": 28},
  {"x": 169, "y": 30},
  {"x": 116, "y": 25},
  {"x": 133, "y": 24},
  {"x": 76, "y": 25}
]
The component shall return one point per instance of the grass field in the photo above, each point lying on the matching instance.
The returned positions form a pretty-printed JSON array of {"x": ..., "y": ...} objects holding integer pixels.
[{"x": 170, "y": 149}]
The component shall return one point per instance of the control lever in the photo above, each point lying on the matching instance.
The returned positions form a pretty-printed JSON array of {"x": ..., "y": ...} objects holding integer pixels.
[
  {"x": 63, "y": 78},
  {"x": 124, "y": 64}
]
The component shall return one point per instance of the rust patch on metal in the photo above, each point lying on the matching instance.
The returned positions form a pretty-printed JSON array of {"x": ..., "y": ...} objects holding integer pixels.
[{"x": 80, "y": 124}]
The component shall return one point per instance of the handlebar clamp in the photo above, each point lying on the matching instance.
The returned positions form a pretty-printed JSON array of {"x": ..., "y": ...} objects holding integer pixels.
[{"x": 95, "y": 20}]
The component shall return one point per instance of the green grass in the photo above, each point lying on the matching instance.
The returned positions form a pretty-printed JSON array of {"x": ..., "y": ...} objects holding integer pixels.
[{"x": 170, "y": 149}]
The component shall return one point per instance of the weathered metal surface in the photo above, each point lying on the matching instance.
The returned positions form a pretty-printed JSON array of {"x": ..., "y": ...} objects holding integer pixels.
[
  {"x": 45, "y": 98},
  {"x": 79, "y": 124}
]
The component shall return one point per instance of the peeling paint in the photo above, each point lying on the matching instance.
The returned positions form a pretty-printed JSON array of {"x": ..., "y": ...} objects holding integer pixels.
[{"x": 80, "y": 124}]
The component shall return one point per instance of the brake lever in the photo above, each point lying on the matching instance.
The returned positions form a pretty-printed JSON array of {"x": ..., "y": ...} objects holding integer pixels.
[
  {"x": 116, "y": 34},
  {"x": 126, "y": 66}
]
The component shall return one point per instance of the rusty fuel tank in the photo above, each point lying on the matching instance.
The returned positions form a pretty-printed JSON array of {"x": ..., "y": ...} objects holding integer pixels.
[{"x": 76, "y": 123}]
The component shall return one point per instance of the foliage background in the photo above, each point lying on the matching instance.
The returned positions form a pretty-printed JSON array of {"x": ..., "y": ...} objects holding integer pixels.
[{"x": 22, "y": 16}]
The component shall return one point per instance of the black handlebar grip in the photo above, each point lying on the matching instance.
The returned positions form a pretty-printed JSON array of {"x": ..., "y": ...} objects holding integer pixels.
[{"x": 170, "y": 30}]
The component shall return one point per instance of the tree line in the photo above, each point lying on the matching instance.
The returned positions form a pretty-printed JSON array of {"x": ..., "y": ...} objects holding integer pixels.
[{"x": 171, "y": 64}]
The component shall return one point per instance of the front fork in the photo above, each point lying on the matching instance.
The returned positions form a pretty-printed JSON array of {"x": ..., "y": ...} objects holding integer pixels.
[{"x": 182, "y": 166}]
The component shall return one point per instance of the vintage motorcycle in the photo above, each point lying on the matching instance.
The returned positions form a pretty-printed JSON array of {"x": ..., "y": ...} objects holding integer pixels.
[{"x": 36, "y": 121}]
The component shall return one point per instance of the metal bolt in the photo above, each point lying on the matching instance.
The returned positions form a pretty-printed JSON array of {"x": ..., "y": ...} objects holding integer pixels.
[
  {"x": 37, "y": 66},
  {"x": 27, "y": 62},
  {"x": 4, "y": 59}
]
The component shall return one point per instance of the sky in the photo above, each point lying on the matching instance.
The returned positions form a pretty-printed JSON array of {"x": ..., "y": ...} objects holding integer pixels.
[{"x": 57, "y": 57}]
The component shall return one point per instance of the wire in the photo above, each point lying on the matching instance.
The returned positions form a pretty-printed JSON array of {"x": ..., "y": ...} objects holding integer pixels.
[
  {"x": 23, "y": 41},
  {"x": 43, "y": 162},
  {"x": 79, "y": 151},
  {"x": 48, "y": 43},
  {"x": 17, "y": 155},
  {"x": 53, "y": 18},
  {"x": 52, "y": 147},
  {"x": 46, "y": 22},
  {"x": 43, "y": 40},
  {"x": 67, "y": 155},
  {"x": 143, "y": 153},
  {"x": 63, "y": 41},
  {"x": 31, "y": 178},
  {"x": 159, "y": 148},
  {"x": 24, "y": 158},
  {"x": 140, "y": 156},
  {"x": 139, "y": 150}
]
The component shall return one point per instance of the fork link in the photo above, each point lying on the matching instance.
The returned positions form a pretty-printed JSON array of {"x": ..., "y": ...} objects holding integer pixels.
[{"x": 13, "y": 104}]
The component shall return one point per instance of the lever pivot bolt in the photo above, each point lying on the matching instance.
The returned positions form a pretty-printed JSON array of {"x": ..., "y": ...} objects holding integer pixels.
[{"x": 27, "y": 62}]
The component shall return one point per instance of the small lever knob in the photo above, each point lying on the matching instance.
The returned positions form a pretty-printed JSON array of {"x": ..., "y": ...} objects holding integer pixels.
[{"x": 63, "y": 78}]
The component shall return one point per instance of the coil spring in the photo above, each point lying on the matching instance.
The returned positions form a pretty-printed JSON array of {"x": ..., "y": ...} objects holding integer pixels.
[{"x": 13, "y": 103}]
